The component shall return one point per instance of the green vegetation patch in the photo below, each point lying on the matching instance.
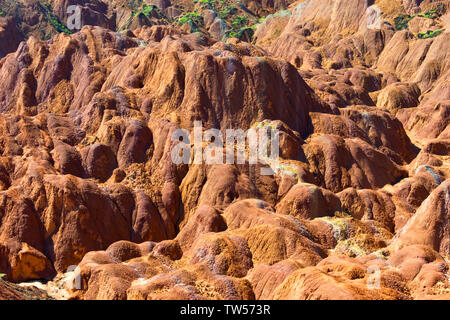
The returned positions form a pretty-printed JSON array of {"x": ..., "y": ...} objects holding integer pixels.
[
  {"x": 210, "y": 4},
  {"x": 239, "y": 25},
  {"x": 145, "y": 10},
  {"x": 53, "y": 19},
  {"x": 431, "y": 14},
  {"x": 429, "y": 34},
  {"x": 227, "y": 11},
  {"x": 239, "y": 21},
  {"x": 149, "y": 9},
  {"x": 241, "y": 33},
  {"x": 193, "y": 19},
  {"x": 401, "y": 22},
  {"x": 190, "y": 17}
]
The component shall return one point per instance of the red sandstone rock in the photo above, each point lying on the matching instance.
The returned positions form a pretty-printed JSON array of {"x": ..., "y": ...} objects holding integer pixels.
[{"x": 339, "y": 163}]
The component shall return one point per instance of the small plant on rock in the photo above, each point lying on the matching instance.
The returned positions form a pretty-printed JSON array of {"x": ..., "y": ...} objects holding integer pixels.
[
  {"x": 429, "y": 34},
  {"x": 401, "y": 22},
  {"x": 239, "y": 21},
  {"x": 431, "y": 14}
]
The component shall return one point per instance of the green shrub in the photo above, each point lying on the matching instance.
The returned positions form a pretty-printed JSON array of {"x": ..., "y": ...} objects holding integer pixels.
[
  {"x": 429, "y": 34},
  {"x": 228, "y": 10},
  {"x": 249, "y": 31},
  {"x": 193, "y": 18},
  {"x": 432, "y": 14},
  {"x": 239, "y": 21},
  {"x": 208, "y": 3},
  {"x": 146, "y": 10},
  {"x": 401, "y": 22},
  {"x": 54, "y": 21}
]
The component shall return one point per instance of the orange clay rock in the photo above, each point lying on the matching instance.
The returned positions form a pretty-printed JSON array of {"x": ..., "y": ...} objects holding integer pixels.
[
  {"x": 339, "y": 163},
  {"x": 341, "y": 279},
  {"x": 309, "y": 201}
]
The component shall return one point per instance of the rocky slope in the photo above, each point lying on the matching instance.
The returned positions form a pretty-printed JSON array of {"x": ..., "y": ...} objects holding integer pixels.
[
  {"x": 358, "y": 207},
  {"x": 219, "y": 19}
]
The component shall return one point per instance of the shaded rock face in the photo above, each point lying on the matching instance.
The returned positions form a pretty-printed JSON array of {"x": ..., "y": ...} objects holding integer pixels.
[
  {"x": 99, "y": 161},
  {"x": 9, "y": 36},
  {"x": 89, "y": 124}
]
